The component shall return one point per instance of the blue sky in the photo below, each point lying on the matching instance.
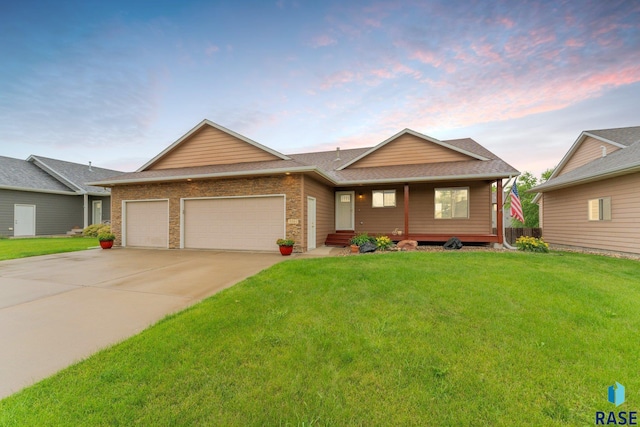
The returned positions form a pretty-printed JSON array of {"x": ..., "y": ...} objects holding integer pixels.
[{"x": 117, "y": 82}]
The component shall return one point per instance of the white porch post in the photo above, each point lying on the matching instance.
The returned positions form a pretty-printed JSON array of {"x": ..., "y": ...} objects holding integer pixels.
[{"x": 86, "y": 210}]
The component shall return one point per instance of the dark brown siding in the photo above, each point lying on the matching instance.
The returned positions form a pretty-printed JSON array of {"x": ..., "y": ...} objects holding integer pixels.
[{"x": 421, "y": 210}]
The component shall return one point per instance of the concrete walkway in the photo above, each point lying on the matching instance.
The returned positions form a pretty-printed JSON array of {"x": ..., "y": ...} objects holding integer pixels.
[{"x": 58, "y": 309}]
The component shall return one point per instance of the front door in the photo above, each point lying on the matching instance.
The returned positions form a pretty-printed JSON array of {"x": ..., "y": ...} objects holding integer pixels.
[
  {"x": 345, "y": 210},
  {"x": 97, "y": 212},
  {"x": 24, "y": 220},
  {"x": 311, "y": 223}
]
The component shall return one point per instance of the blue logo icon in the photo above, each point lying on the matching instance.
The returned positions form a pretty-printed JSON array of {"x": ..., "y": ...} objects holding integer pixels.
[{"x": 616, "y": 394}]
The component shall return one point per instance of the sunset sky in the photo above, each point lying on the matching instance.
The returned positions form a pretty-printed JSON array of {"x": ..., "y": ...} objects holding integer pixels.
[{"x": 116, "y": 82}]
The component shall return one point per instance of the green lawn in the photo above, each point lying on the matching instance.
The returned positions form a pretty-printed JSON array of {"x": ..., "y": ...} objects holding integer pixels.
[
  {"x": 21, "y": 248},
  {"x": 447, "y": 338}
]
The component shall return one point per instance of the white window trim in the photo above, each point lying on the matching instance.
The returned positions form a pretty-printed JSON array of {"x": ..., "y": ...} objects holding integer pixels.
[
  {"x": 603, "y": 215},
  {"x": 395, "y": 203},
  {"x": 435, "y": 191}
]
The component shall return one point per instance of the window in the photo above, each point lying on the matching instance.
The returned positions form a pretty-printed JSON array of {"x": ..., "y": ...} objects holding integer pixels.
[
  {"x": 452, "y": 203},
  {"x": 383, "y": 198},
  {"x": 600, "y": 209}
]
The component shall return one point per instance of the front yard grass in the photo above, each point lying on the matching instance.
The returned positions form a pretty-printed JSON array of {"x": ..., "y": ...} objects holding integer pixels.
[
  {"x": 21, "y": 248},
  {"x": 453, "y": 338}
]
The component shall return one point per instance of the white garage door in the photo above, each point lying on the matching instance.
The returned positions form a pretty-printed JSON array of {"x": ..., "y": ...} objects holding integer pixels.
[
  {"x": 147, "y": 224},
  {"x": 241, "y": 223}
]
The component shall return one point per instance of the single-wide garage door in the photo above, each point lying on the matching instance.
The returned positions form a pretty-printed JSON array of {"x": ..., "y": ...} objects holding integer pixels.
[
  {"x": 238, "y": 223},
  {"x": 147, "y": 224}
]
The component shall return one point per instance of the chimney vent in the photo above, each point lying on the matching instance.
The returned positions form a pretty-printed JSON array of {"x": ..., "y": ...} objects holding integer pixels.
[
  {"x": 337, "y": 154},
  {"x": 604, "y": 151},
  {"x": 90, "y": 166}
]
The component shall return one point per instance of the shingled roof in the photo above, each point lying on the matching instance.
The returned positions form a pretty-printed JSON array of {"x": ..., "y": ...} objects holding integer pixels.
[
  {"x": 42, "y": 174},
  {"x": 328, "y": 165}
]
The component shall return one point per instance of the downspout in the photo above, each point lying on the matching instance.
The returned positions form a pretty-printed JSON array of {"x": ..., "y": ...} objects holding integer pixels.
[
  {"x": 504, "y": 240},
  {"x": 86, "y": 210}
]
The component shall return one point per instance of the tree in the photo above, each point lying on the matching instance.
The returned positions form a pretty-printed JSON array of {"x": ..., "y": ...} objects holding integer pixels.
[{"x": 527, "y": 181}]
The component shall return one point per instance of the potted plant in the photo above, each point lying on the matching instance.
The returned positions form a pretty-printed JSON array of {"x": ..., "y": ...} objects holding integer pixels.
[
  {"x": 359, "y": 240},
  {"x": 106, "y": 240},
  {"x": 286, "y": 246}
]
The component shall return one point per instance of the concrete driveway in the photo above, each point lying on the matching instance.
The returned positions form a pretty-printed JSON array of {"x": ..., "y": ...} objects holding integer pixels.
[{"x": 58, "y": 309}]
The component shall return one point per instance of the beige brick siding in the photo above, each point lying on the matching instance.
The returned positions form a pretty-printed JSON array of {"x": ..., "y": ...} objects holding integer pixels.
[{"x": 291, "y": 186}]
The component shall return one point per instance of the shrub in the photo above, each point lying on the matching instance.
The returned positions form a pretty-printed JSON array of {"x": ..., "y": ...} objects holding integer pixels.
[
  {"x": 532, "y": 244},
  {"x": 95, "y": 229},
  {"x": 383, "y": 243},
  {"x": 362, "y": 238}
]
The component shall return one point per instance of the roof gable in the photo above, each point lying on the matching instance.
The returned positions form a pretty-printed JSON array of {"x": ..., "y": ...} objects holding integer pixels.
[
  {"x": 211, "y": 144},
  {"x": 20, "y": 175},
  {"x": 587, "y": 161},
  {"x": 588, "y": 147},
  {"x": 587, "y": 150},
  {"x": 74, "y": 175},
  {"x": 411, "y": 148}
]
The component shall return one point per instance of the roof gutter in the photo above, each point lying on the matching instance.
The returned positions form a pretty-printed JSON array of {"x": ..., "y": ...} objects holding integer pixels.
[
  {"x": 609, "y": 174},
  {"x": 37, "y": 190},
  {"x": 300, "y": 169},
  {"x": 423, "y": 179}
]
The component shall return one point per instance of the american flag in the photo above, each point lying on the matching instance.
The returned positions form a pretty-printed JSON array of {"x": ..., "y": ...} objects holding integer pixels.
[{"x": 516, "y": 207}]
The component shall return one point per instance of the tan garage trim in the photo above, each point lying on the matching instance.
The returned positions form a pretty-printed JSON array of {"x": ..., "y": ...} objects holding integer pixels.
[
  {"x": 233, "y": 223},
  {"x": 145, "y": 223}
]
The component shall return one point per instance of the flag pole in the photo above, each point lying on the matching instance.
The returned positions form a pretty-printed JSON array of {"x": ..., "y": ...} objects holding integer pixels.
[{"x": 504, "y": 240}]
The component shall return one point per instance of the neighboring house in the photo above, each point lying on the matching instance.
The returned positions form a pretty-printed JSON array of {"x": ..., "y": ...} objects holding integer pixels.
[
  {"x": 216, "y": 189},
  {"x": 592, "y": 200},
  {"x": 42, "y": 196}
]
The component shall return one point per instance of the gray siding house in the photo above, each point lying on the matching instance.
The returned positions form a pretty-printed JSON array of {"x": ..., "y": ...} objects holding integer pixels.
[{"x": 43, "y": 196}]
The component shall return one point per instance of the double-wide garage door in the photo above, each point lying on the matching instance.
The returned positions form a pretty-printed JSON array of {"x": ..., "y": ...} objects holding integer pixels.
[{"x": 237, "y": 223}]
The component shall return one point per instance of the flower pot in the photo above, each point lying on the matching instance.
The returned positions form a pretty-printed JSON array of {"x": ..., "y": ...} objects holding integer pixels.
[
  {"x": 106, "y": 244},
  {"x": 286, "y": 250},
  {"x": 355, "y": 249}
]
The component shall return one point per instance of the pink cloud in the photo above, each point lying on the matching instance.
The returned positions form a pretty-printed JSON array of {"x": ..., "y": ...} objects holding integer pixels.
[
  {"x": 574, "y": 43},
  {"x": 338, "y": 78},
  {"x": 322, "y": 41},
  {"x": 486, "y": 50},
  {"x": 211, "y": 49},
  {"x": 426, "y": 57},
  {"x": 506, "y": 22}
]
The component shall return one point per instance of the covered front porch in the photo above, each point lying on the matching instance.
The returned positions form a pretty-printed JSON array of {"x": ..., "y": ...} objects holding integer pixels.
[{"x": 425, "y": 212}]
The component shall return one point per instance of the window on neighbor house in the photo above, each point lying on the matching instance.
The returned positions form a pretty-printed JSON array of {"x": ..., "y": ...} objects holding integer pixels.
[
  {"x": 383, "y": 198},
  {"x": 600, "y": 209},
  {"x": 451, "y": 203}
]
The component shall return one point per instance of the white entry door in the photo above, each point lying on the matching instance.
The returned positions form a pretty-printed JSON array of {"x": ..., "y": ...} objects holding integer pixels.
[
  {"x": 97, "y": 212},
  {"x": 345, "y": 210},
  {"x": 311, "y": 223},
  {"x": 24, "y": 220}
]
